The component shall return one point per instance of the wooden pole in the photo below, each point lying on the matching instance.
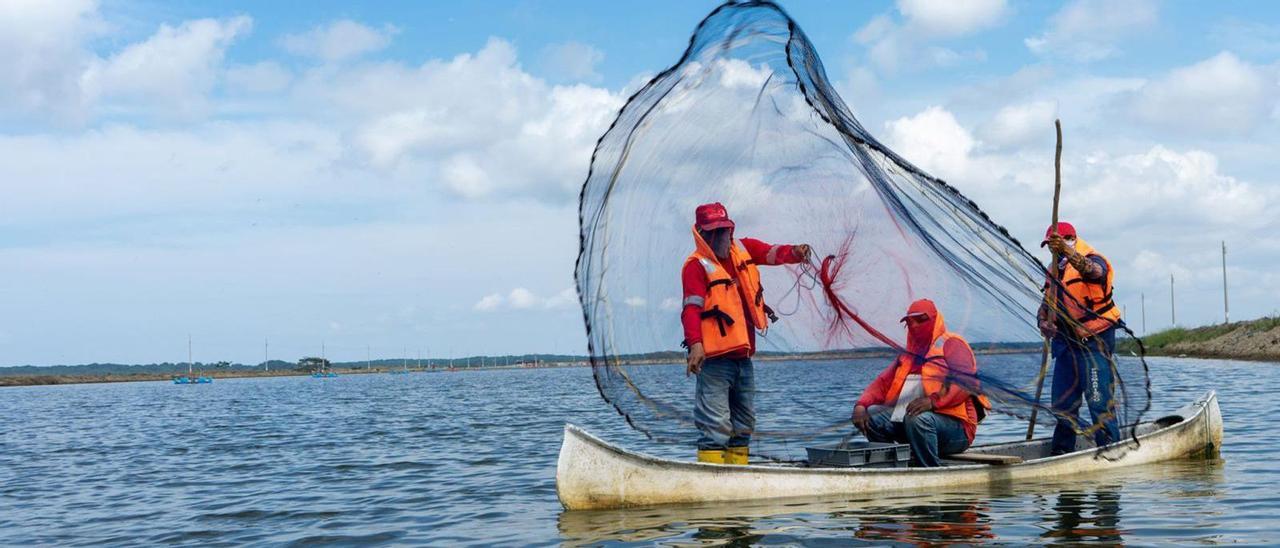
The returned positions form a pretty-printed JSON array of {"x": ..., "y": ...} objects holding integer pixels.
[
  {"x": 1226, "y": 310},
  {"x": 1050, "y": 294}
]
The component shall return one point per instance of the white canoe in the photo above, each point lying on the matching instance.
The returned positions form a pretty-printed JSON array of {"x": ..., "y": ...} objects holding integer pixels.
[{"x": 594, "y": 474}]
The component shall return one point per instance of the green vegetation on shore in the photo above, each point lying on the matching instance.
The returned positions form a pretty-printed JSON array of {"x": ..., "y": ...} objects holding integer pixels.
[{"x": 1247, "y": 340}]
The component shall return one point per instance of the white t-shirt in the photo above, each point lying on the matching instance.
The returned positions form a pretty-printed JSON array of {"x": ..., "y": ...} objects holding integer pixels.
[{"x": 912, "y": 389}]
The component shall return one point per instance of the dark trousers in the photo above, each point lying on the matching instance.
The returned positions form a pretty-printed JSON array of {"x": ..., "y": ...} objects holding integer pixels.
[{"x": 1083, "y": 370}]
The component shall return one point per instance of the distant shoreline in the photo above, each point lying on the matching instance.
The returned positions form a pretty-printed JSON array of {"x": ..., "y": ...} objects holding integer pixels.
[
  {"x": 660, "y": 359},
  {"x": 44, "y": 380}
]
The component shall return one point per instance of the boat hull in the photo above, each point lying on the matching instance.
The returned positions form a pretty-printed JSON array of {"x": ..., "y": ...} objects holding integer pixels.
[{"x": 593, "y": 474}]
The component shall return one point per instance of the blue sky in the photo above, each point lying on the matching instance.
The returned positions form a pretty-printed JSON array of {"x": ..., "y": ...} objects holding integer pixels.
[{"x": 338, "y": 172}]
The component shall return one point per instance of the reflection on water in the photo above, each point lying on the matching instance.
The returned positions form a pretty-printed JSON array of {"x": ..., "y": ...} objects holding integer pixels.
[
  {"x": 1085, "y": 515},
  {"x": 1063, "y": 512},
  {"x": 929, "y": 523}
]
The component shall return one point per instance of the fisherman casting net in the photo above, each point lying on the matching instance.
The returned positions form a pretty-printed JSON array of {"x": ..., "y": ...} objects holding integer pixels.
[{"x": 748, "y": 118}]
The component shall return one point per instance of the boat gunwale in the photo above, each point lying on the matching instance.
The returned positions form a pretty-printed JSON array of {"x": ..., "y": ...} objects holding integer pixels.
[{"x": 1200, "y": 406}]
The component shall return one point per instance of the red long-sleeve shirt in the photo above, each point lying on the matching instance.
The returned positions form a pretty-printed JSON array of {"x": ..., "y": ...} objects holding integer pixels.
[
  {"x": 695, "y": 281},
  {"x": 959, "y": 358}
]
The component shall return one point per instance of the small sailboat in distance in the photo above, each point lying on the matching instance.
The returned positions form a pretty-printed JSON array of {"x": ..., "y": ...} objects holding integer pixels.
[
  {"x": 321, "y": 372},
  {"x": 190, "y": 377}
]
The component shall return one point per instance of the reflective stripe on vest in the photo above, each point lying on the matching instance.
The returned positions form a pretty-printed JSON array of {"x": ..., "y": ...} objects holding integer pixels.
[
  {"x": 725, "y": 324},
  {"x": 933, "y": 375}
]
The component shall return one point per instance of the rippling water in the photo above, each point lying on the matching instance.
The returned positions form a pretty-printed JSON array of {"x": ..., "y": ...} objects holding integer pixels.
[{"x": 469, "y": 458}]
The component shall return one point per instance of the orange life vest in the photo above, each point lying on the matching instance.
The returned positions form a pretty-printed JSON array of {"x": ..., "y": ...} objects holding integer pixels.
[
  {"x": 933, "y": 376},
  {"x": 724, "y": 322},
  {"x": 1089, "y": 305}
]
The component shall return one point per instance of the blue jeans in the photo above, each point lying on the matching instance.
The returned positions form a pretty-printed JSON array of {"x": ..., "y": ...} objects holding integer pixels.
[
  {"x": 931, "y": 435},
  {"x": 1083, "y": 368},
  {"x": 724, "y": 411}
]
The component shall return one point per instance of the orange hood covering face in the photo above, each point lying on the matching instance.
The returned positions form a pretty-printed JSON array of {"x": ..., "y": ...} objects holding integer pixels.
[
  {"x": 705, "y": 246},
  {"x": 920, "y": 336}
]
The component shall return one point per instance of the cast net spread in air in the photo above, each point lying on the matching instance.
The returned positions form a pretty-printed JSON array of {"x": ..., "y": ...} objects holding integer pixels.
[{"x": 748, "y": 118}]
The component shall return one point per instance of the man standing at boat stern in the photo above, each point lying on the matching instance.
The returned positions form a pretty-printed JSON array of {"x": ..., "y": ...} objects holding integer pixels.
[
  {"x": 921, "y": 398},
  {"x": 1083, "y": 331},
  {"x": 723, "y": 308}
]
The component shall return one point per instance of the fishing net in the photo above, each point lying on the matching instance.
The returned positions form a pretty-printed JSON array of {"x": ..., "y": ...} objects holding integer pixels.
[{"x": 748, "y": 118}]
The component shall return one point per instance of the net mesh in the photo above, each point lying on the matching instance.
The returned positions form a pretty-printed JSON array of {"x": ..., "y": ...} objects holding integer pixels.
[{"x": 747, "y": 118}]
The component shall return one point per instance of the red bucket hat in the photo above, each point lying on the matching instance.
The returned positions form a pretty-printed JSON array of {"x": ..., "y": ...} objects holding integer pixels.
[
  {"x": 712, "y": 216},
  {"x": 1064, "y": 230}
]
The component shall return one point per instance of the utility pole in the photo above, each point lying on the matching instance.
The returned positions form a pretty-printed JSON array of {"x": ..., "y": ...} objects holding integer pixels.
[
  {"x": 266, "y": 359},
  {"x": 1226, "y": 310},
  {"x": 1173, "y": 310}
]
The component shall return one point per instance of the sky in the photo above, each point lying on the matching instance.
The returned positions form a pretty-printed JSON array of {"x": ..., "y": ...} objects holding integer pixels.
[{"x": 400, "y": 178}]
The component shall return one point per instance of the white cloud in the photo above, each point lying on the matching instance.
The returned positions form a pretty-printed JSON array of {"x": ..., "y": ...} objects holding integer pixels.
[
  {"x": 47, "y": 68},
  {"x": 1221, "y": 94},
  {"x": 893, "y": 46},
  {"x": 753, "y": 200},
  {"x": 1168, "y": 191},
  {"x": 934, "y": 141},
  {"x": 1088, "y": 30},
  {"x": 264, "y": 77},
  {"x": 1174, "y": 193},
  {"x": 635, "y": 302},
  {"x": 173, "y": 69},
  {"x": 523, "y": 299},
  {"x": 101, "y": 174},
  {"x": 477, "y": 123},
  {"x": 566, "y": 298},
  {"x": 42, "y": 55},
  {"x": 876, "y": 29},
  {"x": 736, "y": 73},
  {"x": 954, "y": 18},
  {"x": 573, "y": 61},
  {"x": 338, "y": 41},
  {"x": 1017, "y": 125},
  {"x": 489, "y": 302}
]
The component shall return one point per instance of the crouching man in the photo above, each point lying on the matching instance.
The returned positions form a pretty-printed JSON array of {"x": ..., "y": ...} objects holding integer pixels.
[{"x": 917, "y": 399}]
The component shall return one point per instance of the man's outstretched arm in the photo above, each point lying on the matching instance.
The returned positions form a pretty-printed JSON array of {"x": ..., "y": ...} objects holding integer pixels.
[{"x": 767, "y": 254}]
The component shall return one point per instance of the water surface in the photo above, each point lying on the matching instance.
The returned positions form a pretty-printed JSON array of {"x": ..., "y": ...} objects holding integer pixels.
[{"x": 469, "y": 458}]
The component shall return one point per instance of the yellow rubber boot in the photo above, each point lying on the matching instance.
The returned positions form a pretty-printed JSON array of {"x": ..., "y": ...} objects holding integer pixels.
[
  {"x": 736, "y": 455},
  {"x": 711, "y": 456}
]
